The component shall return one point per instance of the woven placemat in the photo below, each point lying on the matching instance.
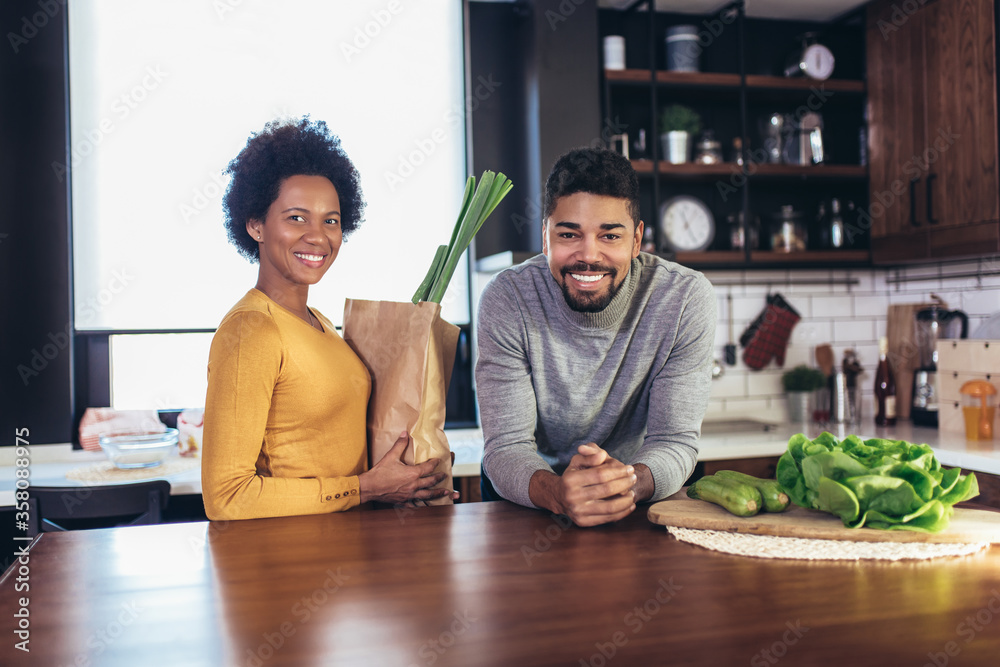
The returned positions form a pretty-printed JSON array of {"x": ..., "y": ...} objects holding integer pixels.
[
  {"x": 105, "y": 472},
  {"x": 770, "y": 546}
]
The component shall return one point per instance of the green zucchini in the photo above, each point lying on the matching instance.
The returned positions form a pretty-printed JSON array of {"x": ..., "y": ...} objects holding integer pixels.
[
  {"x": 735, "y": 497},
  {"x": 775, "y": 500}
]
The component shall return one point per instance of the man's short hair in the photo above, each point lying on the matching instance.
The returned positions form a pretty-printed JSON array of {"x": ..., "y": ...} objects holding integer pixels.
[{"x": 596, "y": 171}]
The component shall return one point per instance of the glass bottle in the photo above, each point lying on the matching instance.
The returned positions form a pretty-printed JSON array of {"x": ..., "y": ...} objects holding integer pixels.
[
  {"x": 885, "y": 388},
  {"x": 822, "y": 227},
  {"x": 836, "y": 225}
]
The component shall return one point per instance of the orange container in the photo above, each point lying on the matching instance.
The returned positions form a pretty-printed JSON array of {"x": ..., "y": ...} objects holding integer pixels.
[{"x": 979, "y": 409}]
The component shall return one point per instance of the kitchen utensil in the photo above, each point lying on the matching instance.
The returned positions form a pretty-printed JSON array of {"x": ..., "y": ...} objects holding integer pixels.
[
  {"x": 852, "y": 371},
  {"x": 902, "y": 352},
  {"x": 824, "y": 358},
  {"x": 967, "y": 525},
  {"x": 731, "y": 345},
  {"x": 932, "y": 324},
  {"x": 978, "y": 409},
  {"x": 139, "y": 450},
  {"x": 840, "y": 402},
  {"x": 802, "y": 142}
]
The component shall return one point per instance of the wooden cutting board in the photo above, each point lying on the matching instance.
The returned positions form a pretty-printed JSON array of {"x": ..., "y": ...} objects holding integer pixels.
[{"x": 967, "y": 525}]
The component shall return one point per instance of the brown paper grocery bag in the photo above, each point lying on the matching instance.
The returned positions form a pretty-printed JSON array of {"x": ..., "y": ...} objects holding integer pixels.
[{"x": 409, "y": 351}]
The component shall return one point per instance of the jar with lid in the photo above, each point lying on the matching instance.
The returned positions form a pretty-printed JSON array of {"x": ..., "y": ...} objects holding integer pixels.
[
  {"x": 709, "y": 150},
  {"x": 788, "y": 233},
  {"x": 737, "y": 233}
]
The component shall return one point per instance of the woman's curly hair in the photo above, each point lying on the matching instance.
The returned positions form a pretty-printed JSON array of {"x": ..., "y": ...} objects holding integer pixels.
[{"x": 286, "y": 148}]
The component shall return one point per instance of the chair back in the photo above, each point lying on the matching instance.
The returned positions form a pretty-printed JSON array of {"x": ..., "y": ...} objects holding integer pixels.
[{"x": 48, "y": 504}]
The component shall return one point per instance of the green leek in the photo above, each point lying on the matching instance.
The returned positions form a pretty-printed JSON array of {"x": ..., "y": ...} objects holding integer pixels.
[{"x": 477, "y": 204}]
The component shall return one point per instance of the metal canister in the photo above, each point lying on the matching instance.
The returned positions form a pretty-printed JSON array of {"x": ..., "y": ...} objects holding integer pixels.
[{"x": 840, "y": 403}]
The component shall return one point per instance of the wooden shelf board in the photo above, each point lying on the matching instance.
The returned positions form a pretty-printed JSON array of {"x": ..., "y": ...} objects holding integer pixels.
[
  {"x": 759, "y": 82},
  {"x": 812, "y": 171},
  {"x": 711, "y": 257},
  {"x": 811, "y": 256},
  {"x": 719, "y": 79},
  {"x": 729, "y": 80},
  {"x": 754, "y": 171},
  {"x": 686, "y": 169}
]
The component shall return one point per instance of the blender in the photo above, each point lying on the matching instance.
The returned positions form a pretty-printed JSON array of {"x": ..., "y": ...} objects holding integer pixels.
[{"x": 933, "y": 324}]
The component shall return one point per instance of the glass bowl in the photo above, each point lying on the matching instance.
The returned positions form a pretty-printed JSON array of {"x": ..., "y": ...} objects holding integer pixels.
[{"x": 139, "y": 450}]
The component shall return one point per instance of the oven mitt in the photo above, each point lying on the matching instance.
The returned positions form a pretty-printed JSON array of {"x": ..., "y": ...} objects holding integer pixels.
[{"x": 767, "y": 336}]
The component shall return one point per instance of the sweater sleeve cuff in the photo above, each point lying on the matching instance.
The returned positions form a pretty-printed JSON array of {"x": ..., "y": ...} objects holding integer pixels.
[
  {"x": 512, "y": 482},
  {"x": 339, "y": 493},
  {"x": 670, "y": 469}
]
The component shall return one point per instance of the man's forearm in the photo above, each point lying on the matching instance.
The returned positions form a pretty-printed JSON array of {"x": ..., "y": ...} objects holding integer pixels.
[{"x": 543, "y": 490}]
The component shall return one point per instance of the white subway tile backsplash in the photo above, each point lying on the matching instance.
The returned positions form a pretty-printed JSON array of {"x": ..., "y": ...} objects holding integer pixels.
[
  {"x": 866, "y": 282},
  {"x": 851, "y": 331},
  {"x": 812, "y": 332},
  {"x": 845, "y": 317},
  {"x": 871, "y": 306},
  {"x": 801, "y": 303},
  {"x": 746, "y": 308},
  {"x": 799, "y": 354},
  {"x": 833, "y": 306},
  {"x": 980, "y": 301},
  {"x": 765, "y": 383},
  {"x": 731, "y": 385}
]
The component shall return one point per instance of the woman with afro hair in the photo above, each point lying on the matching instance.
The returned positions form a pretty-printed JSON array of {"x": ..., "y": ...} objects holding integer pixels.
[{"x": 287, "y": 397}]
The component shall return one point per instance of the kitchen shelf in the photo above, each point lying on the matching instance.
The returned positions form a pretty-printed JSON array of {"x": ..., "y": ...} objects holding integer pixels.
[
  {"x": 760, "y": 82},
  {"x": 754, "y": 82},
  {"x": 839, "y": 171},
  {"x": 679, "y": 79},
  {"x": 727, "y": 257},
  {"x": 686, "y": 169},
  {"x": 735, "y": 97},
  {"x": 825, "y": 256}
]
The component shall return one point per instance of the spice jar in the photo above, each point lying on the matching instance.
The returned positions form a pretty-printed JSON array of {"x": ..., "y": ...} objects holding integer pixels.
[{"x": 978, "y": 409}]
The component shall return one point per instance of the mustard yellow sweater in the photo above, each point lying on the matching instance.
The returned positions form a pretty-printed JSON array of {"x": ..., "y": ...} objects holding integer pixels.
[{"x": 284, "y": 416}]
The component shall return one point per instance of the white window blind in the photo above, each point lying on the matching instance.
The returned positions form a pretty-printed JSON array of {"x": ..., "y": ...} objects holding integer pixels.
[{"x": 163, "y": 93}]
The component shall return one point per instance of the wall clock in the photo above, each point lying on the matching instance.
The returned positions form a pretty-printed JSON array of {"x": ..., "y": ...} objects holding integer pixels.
[{"x": 686, "y": 224}]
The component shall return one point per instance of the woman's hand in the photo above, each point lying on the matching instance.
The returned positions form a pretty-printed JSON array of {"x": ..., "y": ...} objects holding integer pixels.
[{"x": 392, "y": 481}]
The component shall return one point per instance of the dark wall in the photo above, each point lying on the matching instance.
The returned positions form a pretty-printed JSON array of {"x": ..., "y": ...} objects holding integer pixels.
[
  {"x": 545, "y": 55},
  {"x": 34, "y": 242}
]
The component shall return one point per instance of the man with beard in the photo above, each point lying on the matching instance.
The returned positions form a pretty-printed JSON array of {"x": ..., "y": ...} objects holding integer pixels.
[{"x": 594, "y": 358}]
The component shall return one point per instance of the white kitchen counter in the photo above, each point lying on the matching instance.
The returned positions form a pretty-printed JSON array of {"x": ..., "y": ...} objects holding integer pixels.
[{"x": 50, "y": 463}]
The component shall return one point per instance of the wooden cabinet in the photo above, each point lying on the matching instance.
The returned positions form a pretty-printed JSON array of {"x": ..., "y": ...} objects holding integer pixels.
[{"x": 932, "y": 130}]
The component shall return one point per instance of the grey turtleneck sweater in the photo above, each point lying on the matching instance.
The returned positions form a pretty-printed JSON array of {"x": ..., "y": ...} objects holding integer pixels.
[{"x": 633, "y": 378}]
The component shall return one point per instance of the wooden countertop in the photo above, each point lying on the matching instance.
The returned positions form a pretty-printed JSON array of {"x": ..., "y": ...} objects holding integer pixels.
[{"x": 481, "y": 584}]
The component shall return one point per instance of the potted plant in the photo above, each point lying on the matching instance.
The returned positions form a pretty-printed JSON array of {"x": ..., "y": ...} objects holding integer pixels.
[
  {"x": 799, "y": 383},
  {"x": 678, "y": 125}
]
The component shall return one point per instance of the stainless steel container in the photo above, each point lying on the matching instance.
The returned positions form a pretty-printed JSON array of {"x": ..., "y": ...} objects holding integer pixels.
[{"x": 840, "y": 401}]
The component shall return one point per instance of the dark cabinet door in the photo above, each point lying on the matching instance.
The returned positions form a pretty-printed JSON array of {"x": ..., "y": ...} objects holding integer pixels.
[
  {"x": 933, "y": 128},
  {"x": 897, "y": 125},
  {"x": 960, "y": 150}
]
